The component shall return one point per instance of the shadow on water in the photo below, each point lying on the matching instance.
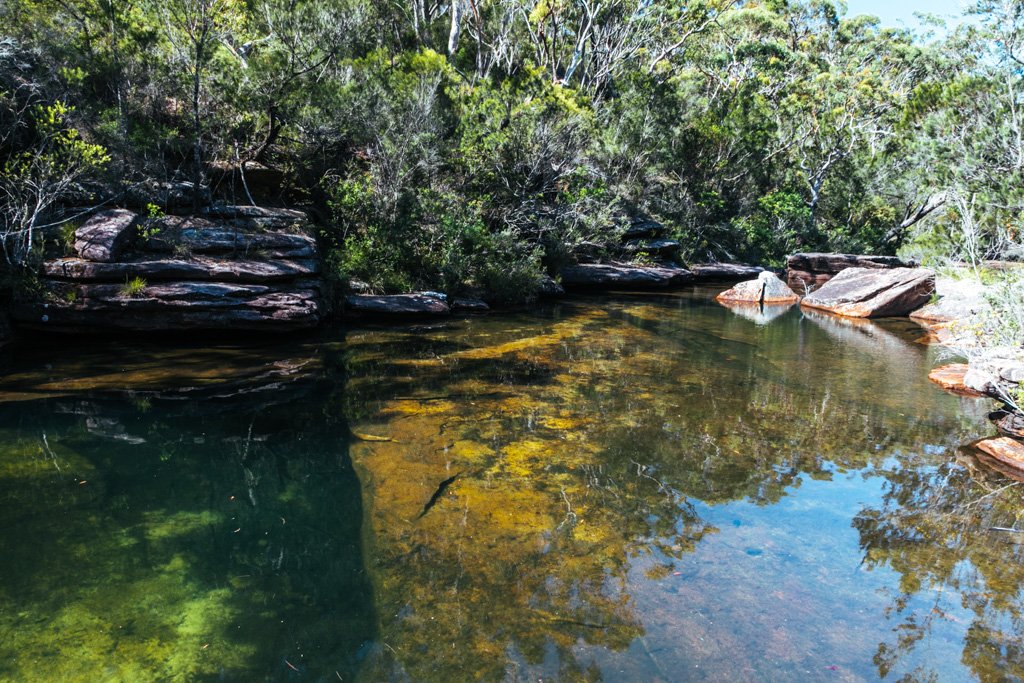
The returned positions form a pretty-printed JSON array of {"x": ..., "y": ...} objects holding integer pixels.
[
  {"x": 625, "y": 488},
  {"x": 195, "y": 517}
]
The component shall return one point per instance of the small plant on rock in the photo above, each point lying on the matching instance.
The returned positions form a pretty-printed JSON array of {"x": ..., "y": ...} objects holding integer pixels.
[{"x": 133, "y": 287}]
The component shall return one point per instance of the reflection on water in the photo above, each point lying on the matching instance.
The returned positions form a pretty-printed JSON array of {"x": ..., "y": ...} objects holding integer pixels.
[{"x": 621, "y": 489}]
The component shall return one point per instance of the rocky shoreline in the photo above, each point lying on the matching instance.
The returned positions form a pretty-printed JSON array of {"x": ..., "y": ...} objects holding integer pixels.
[{"x": 259, "y": 269}]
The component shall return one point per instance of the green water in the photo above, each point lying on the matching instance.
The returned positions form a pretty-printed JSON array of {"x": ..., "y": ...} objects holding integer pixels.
[{"x": 626, "y": 489}]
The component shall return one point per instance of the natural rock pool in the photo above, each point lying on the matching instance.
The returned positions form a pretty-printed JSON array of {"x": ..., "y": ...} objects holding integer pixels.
[{"x": 623, "y": 489}]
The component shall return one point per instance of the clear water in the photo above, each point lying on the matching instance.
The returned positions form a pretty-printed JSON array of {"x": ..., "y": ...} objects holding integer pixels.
[{"x": 619, "y": 489}]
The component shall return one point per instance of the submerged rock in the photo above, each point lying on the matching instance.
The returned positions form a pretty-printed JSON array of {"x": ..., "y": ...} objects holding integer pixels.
[
  {"x": 396, "y": 305},
  {"x": 951, "y": 378},
  {"x": 106, "y": 235},
  {"x": 806, "y": 272},
  {"x": 612, "y": 275},
  {"x": 874, "y": 293},
  {"x": 766, "y": 289}
]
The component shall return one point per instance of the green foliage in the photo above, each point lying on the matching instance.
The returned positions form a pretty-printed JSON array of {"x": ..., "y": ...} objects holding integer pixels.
[{"x": 133, "y": 287}]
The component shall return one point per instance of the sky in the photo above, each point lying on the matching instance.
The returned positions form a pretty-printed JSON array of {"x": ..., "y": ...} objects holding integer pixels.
[{"x": 893, "y": 12}]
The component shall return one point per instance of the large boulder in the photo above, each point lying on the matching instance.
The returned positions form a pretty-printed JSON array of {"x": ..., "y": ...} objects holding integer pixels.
[
  {"x": 874, "y": 293},
  {"x": 766, "y": 289},
  {"x": 808, "y": 271},
  {"x": 623, "y": 275},
  {"x": 105, "y": 236},
  {"x": 407, "y": 305}
]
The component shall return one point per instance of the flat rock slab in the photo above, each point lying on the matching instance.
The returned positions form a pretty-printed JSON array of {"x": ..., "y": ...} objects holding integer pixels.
[
  {"x": 640, "y": 228},
  {"x": 1008, "y": 451},
  {"x": 395, "y": 305},
  {"x": 105, "y": 236},
  {"x": 951, "y": 378},
  {"x": 661, "y": 248},
  {"x": 874, "y": 293},
  {"x": 724, "y": 271},
  {"x": 767, "y": 289},
  {"x": 619, "y": 275},
  {"x": 257, "y": 217},
  {"x": 195, "y": 268},
  {"x": 176, "y": 306},
  {"x": 808, "y": 271},
  {"x": 192, "y": 234}
]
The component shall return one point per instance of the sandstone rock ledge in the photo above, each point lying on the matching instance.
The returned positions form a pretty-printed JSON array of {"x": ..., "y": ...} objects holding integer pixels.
[
  {"x": 245, "y": 268},
  {"x": 951, "y": 378}
]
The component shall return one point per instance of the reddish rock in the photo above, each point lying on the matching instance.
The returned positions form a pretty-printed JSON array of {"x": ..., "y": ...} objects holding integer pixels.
[
  {"x": 1007, "y": 451},
  {"x": 874, "y": 293},
  {"x": 807, "y": 272},
  {"x": 766, "y": 289},
  {"x": 106, "y": 235},
  {"x": 951, "y": 378}
]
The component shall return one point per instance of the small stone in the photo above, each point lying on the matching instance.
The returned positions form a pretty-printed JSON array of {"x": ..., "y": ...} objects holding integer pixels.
[{"x": 1004, "y": 449}]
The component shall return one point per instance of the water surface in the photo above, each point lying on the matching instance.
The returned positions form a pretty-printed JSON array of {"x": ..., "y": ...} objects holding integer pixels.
[{"x": 627, "y": 488}]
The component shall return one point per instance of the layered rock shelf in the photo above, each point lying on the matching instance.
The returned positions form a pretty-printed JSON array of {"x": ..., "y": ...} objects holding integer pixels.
[{"x": 251, "y": 268}]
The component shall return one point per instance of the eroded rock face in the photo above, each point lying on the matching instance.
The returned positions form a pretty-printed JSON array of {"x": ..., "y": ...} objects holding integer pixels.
[
  {"x": 249, "y": 268},
  {"x": 395, "y": 304},
  {"x": 874, "y": 293},
  {"x": 767, "y": 289},
  {"x": 807, "y": 272},
  {"x": 612, "y": 275},
  {"x": 105, "y": 236}
]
